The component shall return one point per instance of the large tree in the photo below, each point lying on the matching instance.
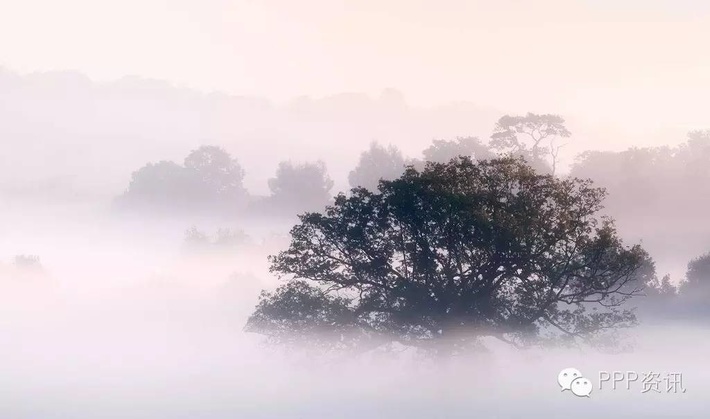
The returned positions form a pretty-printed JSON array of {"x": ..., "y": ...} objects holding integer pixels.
[{"x": 441, "y": 257}]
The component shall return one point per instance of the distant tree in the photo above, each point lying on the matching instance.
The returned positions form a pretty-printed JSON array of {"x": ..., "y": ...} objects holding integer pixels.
[
  {"x": 377, "y": 162},
  {"x": 694, "y": 291},
  {"x": 196, "y": 239},
  {"x": 442, "y": 151},
  {"x": 225, "y": 239},
  {"x": 695, "y": 155},
  {"x": 162, "y": 183},
  {"x": 28, "y": 262},
  {"x": 697, "y": 278},
  {"x": 300, "y": 187},
  {"x": 532, "y": 136},
  {"x": 659, "y": 294},
  {"x": 671, "y": 184},
  {"x": 209, "y": 180},
  {"x": 442, "y": 257},
  {"x": 660, "y": 288},
  {"x": 221, "y": 175},
  {"x": 228, "y": 238}
]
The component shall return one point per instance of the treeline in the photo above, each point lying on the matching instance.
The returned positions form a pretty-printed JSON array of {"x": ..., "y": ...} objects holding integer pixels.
[
  {"x": 663, "y": 299},
  {"x": 210, "y": 180},
  {"x": 665, "y": 186},
  {"x": 672, "y": 182},
  {"x": 658, "y": 194}
]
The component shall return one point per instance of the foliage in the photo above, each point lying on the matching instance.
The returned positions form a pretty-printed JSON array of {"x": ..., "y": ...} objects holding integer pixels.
[
  {"x": 219, "y": 174},
  {"x": 532, "y": 136},
  {"x": 224, "y": 239},
  {"x": 652, "y": 181},
  {"x": 376, "y": 163},
  {"x": 442, "y": 151},
  {"x": 28, "y": 262},
  {"x": 458, "y": 251},
  {"x": 300, "y": 187},
  {"x": 210, "y": 179},
  {"x": 697, "y": 279}
]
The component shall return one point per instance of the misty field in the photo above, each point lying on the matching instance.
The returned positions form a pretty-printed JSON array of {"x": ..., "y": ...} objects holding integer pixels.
[
  {"x": 354, "y": 209},
  {"x": 123, "y": 321}
]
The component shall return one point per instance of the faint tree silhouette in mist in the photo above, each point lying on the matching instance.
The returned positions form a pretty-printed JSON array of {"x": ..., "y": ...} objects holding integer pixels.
[
  {"x": 442, "y": 151},
  {"x": 198, "y": 241},
  {"x": 220, "y": 175},
  {"x": 162, "y": 182},
  {"x": 376, "y": 163},
  {"x": 532, "y": 136},
  {"x": 210, "y": 180},
  {"x": 694, "y": 292},
  {"x": 298, "y": 187},
  {"x": 667, "y": 184},
  {"x": 442, "y": 257},
  {"x": 658, "y": 300},
  {"x": 28, "y": 262}
]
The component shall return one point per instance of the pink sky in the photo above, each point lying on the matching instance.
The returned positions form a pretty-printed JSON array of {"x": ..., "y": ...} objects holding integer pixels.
[{"x": 627, "y": 63}]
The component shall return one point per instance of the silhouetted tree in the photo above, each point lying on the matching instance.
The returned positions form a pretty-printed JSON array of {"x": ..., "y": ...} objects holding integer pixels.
[
  {"x": 28, "y": 262},
  {"x": 165, "y": 183},
  {"x": 660, "y": 288},
  {"x": 694, "y": 156},
  {"x": 300, "y": 187},
  {"x": 532, "y": 136},
  {"x": 220, "y": 175},
  {"x": 698, "y": 275},
  {"x": 658, "y": 297},
  {"x": 694, "y": 292},
  {"x": 228, "y": 238},
  {"x": 225, "y": 239},
  {"x": 441, "y": 257},
  {"x": 668, "y": 184},
  {"x": 377, "y": 163},
  {"x": 209, "y": 180},
  {"x": 196, "y": 240},
  {"x": 442, "y": 151}
]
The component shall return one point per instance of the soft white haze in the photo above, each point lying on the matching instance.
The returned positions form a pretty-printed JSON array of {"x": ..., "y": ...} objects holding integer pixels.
[
  {"x": 128, "y": 327},
  {"x": 625, "y": 62},
  {"x": 125, "y": 321}
]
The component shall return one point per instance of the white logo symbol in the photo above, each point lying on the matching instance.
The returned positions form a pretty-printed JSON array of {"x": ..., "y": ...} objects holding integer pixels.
[{"x": 571, "y": 379}]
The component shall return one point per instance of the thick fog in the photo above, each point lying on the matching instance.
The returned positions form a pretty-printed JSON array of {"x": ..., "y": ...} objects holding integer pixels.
[
  {"x": 125, "y": 322},
  {"x": 154, "y": 156}
]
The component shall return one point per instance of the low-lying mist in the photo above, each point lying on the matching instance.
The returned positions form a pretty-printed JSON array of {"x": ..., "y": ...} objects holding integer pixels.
[{"x": 128, "y": 320}]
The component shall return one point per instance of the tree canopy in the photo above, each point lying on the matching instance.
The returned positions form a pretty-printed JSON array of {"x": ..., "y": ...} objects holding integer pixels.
[
  {"x": 300, "y": 187},
  {"x": 220, "y": 174},
  {"x": 652, "y": 181},
  {"x": 376, "y": 163},
  {"x": 444, "y": 256},
  {"x": 210, "y": 179},
  {"x": 695, "y": 290},
  {"x": 442, "y": 151},
  {"x": 532, "y": 136}
]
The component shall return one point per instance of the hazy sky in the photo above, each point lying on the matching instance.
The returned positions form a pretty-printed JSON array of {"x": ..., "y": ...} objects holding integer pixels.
[{"x": 638, "y": 62}]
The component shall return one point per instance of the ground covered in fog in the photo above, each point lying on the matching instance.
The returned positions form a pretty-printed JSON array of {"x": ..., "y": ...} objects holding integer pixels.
[
  {"x": 125, "y": 319},
  {"x": 142, "y": 192}
]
